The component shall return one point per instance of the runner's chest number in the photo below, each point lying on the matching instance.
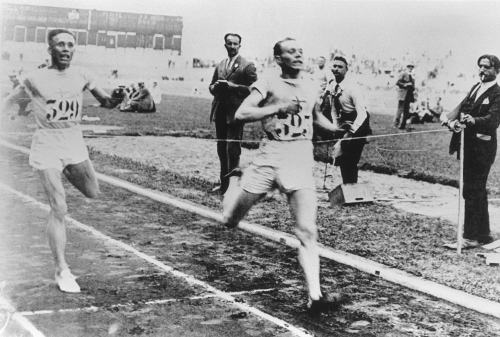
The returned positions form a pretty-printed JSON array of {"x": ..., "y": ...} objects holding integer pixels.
[{"x": 62, "y": 110}]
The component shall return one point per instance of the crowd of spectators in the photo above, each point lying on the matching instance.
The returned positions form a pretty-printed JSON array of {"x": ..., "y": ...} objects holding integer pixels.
[{"x": 436, "y": 76}]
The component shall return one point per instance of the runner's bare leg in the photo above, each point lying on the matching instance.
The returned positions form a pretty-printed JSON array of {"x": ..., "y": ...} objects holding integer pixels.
[
  {"x": 56, "y": 228},
  {"x": 237, "y": 202},
  {"x": 83, "y": 177},
  {"x": 303, "y": 206}
]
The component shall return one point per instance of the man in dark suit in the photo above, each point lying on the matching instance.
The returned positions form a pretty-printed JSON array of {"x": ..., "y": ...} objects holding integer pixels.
[
  {"x": 478, "y": 115},
  {"x": 230, "y": 85},
  {"x": 406, "y": 88}
]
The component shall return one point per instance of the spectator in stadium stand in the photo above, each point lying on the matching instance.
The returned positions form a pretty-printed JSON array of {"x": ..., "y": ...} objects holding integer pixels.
[
  {"x": 478, "y": 116},
  {"x": 141, "y": 102},
  {"x": 320, "y": 72},
  {"x": 230, "y": 86},
  {"x": 57, "y": 147},
  {"x": 344, "y": 105},
  {"x": 406, "y": 87},
  {"x": 284, "y": 103}
]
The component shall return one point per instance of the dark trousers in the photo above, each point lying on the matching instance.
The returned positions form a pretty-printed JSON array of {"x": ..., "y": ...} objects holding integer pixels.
[
  {"x": 351, "y": 153},
  {"x": 228, "y": 152},
  {"x": 402, "y": 114},
  {"x": 142, "y": 106},
  {"x": 348, "y": 161},
  {"x": 476, "y": 219}
]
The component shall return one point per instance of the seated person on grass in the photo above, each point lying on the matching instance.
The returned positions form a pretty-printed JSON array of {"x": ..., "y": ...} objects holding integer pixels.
[
  {"x": 141, "y": 102},
  {"x": 420, "y": 113},
  {"x": 437, "y": 109}
]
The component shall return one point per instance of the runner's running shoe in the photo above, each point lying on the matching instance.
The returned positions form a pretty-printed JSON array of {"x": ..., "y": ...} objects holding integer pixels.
[{"x": 67, "y": 282}]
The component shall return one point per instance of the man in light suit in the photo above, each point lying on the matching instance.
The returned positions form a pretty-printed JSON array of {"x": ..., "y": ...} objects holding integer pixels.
[
  {"x": 406, "y": 88},
  {"x": 230, "y": 85},
  {"x": 478, "y": 115}
]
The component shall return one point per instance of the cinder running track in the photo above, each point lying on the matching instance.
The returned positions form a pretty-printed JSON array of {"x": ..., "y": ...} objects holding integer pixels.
[{"x": 147, "y": 269}]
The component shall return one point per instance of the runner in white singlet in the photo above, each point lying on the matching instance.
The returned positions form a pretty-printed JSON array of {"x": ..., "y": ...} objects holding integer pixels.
[
  {"x": 56, "y": 95},
  {"x": 286, "y": 106}
]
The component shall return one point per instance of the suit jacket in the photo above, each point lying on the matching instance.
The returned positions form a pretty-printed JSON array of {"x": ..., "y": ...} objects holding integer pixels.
[
  {"x": 227, "y": 100},
  {"x": 404, "y": 92},
  {"x": 481, "y": 138}
]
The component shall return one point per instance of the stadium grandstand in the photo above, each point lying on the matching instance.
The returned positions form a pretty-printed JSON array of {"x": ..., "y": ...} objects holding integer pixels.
[
  {"x": 135, "y": 45},
  {"x": 30, "y": 23}
]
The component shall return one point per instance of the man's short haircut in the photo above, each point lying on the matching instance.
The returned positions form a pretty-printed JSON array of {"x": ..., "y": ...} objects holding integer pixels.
[
  {"x": 57, "y": 31},
  {"x": 494, "y": 61},
  {"x": 232, "y": 34},
  {"x": 341, "y": 58},
  {"x": 277, "y": 47}
]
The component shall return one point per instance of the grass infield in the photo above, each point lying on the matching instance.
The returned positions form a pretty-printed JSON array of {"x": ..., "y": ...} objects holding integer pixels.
[
  {"x": 379, "y": 232},
  {"x": 420, "y": 156}
]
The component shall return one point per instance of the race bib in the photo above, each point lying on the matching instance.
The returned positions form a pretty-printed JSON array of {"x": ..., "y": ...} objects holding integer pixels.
[
  {"x": 63, "y": 109},
  {"x": 292, "y": 125}
]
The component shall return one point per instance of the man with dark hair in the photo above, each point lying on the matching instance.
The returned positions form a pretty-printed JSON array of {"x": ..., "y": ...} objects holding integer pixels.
[
  {"x": 229, "y": 86},
  {"x": 344, "y": 105},
  {"x": 57, "y": 147},
  {"x": 406, "y": 92},
  {"x": 285, "y": 106},
  {"x": 478, "y": 116}
]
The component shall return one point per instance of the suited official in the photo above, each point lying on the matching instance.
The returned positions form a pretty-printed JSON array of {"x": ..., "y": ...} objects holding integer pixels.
[
  {"x": 479, "y": 115},
  {"x": 406, "y": 92},
  {"x": 230, "y": 85}
]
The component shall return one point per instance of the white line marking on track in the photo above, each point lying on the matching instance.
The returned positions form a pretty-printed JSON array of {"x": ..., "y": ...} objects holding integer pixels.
[
  {"x": 128, "y": 305},
  {"x": 14, "y": 147},
  {"x": 20, "y": 319},
  {"x": 396, "y": 276},
  {"x": 296, "y": 331},
  {"x": 114, "y": 306}
]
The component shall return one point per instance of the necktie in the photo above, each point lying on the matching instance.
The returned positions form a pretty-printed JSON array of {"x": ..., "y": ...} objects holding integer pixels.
[
  {"x": 326, "y": 107},
  {"x": 336, "y": 101},
  {"x": 473, "y": 96}
]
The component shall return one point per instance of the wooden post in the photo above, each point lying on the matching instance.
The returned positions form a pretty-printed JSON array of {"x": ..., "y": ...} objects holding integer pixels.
[{"x": 461, "y": 204}]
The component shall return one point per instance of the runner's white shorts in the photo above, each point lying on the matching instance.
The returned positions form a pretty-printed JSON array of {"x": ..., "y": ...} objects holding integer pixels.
[
  {"x": 57, "y": 148},
  {"x": 262, "y": 179}
]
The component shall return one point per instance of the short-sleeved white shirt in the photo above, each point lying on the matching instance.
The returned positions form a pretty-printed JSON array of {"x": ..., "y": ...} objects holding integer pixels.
[
  {"x": 280, "y": 90},
  {"x": 57, "y": 95},
  {"x": 288, "y": 136}
]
